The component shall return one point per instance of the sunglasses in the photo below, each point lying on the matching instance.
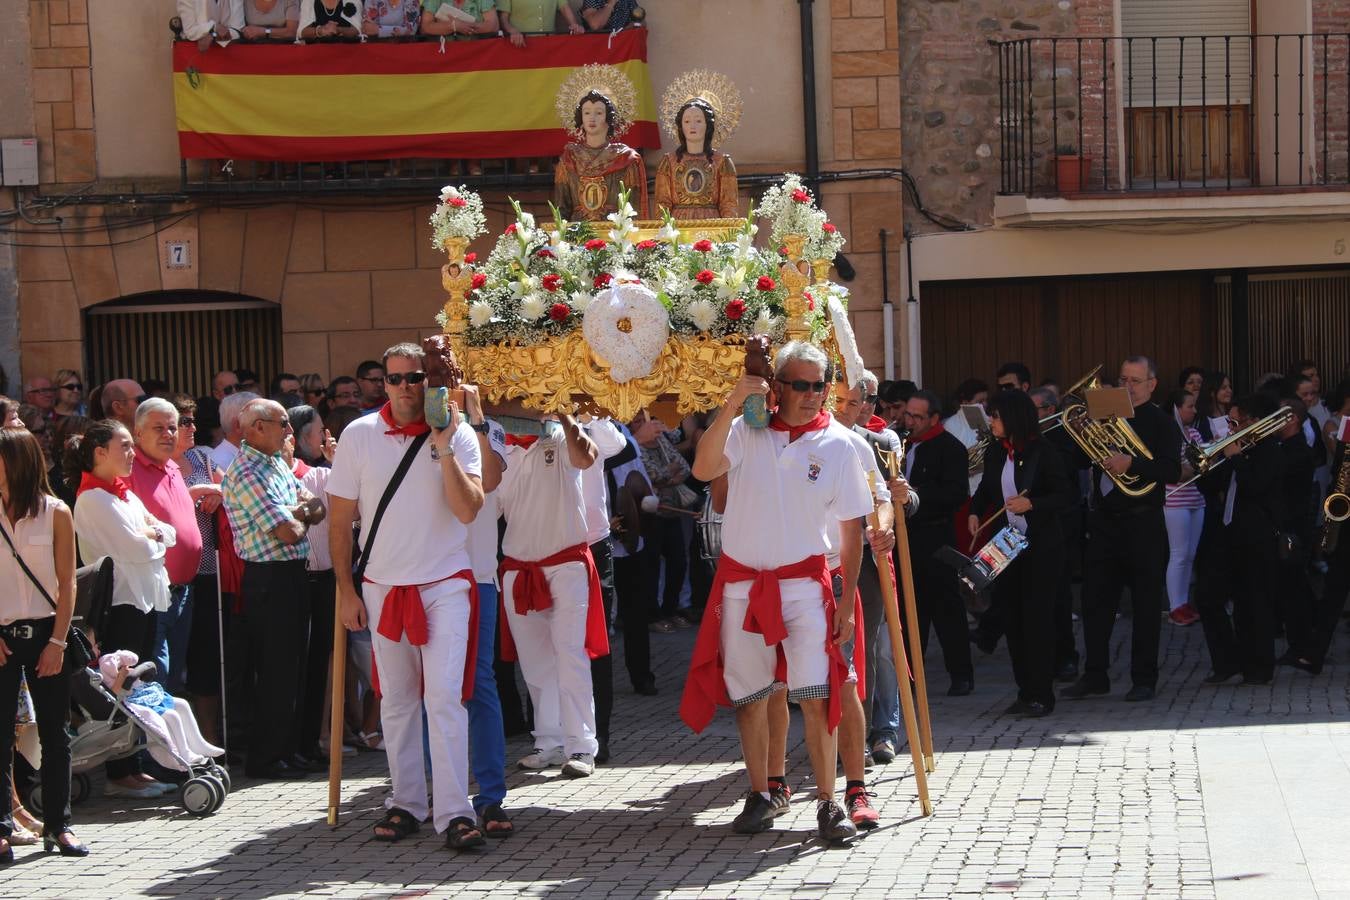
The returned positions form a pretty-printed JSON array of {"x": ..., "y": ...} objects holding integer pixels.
[
  {"x": 229, "y": 389},
  {"x": 141, "y": 398},
  {"x": 802, "y": 386},
  {"x": 1008, "y": 386},
  {"x": 74, "y": 386},
  {"x": 397, "y": 378},
  {"x": 187, "y": 422},
  {"x": 376, "y": 378}
]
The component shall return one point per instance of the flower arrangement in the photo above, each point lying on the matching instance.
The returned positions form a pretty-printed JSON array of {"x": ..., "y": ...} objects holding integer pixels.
[
  {"x": 538, "y": 282},
  {"x": 459, "y": 214},
  {"x": 791, "y": 210}
]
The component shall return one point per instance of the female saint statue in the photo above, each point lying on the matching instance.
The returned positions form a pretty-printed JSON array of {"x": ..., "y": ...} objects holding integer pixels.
[{"x": 697, "y": 181}]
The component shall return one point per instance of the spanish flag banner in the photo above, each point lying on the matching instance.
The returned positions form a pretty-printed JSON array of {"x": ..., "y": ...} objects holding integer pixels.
[{"x": 481, "y": 99}]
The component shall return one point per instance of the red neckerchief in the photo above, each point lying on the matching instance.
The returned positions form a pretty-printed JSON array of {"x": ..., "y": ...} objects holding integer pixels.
[
  {"x": 412, "y": 429},
  {"x": 403, "y": 612},
  {"x": 118, "y": 487},
  {"x": 876, "y": 424},
  {"x": 927, "y": 435},
  {"x": 299, "y": 468},
  {"x": 1010, "y": 447},
  {"x": 530, "y": 593},
  {"x": 524, "y": 441},
  {"x": 822, "y": 420},
  {"x": 705, "y": 689}
]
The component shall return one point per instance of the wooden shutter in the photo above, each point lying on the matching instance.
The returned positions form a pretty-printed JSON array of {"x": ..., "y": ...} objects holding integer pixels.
[{"x": 1178, "y": 27}]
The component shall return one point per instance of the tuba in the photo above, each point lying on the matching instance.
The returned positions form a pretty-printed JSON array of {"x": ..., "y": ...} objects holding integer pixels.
[
  {"x": 1073, "y": 394},
  {"x": 1336, "y": 508},
  {"x": 1104, "y": 439},
  {"x": 1204, "y": 458}
]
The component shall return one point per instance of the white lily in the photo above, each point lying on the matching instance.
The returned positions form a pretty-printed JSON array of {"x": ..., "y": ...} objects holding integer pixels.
[
  {"x": 730, "y": 282},
  {"x": 668, "y": 232},
  {"x": 703, "y": 314},
  {"x": 526, "y": 222},
  {"x": 480, "y": 313},
  {"x": 745, "y": 247},
  {"x": 526, "y": 285},
  {"x": 532, "y": 307}
]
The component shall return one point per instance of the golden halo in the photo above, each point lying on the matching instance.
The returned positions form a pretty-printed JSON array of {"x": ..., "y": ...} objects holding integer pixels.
[
  {"x": 720, "y": 92},
  {"x": 604, "y": 78}
]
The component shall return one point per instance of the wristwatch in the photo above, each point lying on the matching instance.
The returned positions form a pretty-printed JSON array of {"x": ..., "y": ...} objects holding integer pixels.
[
  {"x": 481, "y": 427},
  {"x": 449, "y": 452}
]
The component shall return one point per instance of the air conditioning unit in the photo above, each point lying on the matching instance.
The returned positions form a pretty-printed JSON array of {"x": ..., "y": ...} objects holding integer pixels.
[{"x": 18, "y": 162}]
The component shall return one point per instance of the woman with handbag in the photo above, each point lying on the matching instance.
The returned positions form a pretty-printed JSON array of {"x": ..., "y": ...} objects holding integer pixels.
[
  {"x": 38, "y": 562},
  {"x": 110, "y": 520}
]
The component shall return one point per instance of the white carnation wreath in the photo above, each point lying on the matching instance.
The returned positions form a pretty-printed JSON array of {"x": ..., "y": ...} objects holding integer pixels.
[{"x": 627, "y": 327}]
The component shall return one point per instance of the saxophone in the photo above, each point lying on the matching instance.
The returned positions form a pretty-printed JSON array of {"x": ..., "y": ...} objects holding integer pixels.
[{"x": 1336, "y": 508}]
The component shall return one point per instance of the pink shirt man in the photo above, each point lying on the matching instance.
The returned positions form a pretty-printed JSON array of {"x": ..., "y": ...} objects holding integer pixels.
[{"x": 162, "y": 489}]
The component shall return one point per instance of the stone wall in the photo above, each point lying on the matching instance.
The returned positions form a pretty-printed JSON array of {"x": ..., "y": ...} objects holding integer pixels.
[
  {"x": 1331, "y": 96},
  {"x": 63, "y": 100}
]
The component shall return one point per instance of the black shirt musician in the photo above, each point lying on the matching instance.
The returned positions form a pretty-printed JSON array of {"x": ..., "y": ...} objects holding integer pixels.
[
  {"x": 936, "y": 469},
  {"x": 1127, "y": 542}
]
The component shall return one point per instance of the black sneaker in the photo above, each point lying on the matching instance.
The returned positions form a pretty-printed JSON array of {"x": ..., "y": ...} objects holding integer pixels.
[
  {"x": 780, "y": 797},
  {"x": 835, "y": 825},
  {"x": 1083, "y": 688},
  {"x": 756, "y": 816}
]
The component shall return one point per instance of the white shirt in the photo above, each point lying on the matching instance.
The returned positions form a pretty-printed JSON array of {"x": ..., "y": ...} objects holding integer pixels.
[
  {"x": 483, "y": 529},
  {"x": 542, "y": 499},
  {"x": 868, "y": 459},
  {"x": 199, "y": 16},
  {"x": 1009, "y": 485},
  {"x": 958, "y": 426},
  {"x": 107, "y": 526},
  {"x": 419, "y": 540},
  {"x": 223, "y": 454},
  {"x": 316, "y": 482},
  {"x": 784, "y": 501},
  {"x": 610, "y": 442},
  {"x": 32, "y": 537}
]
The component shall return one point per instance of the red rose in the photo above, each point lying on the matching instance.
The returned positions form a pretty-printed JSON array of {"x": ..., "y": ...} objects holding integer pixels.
[
  {"x": 544, "y": 253},
  {"x": 705, "y": 277},
  {"x": 559, "y": 312},
  {"x": 647, "y": 245},
  {"x": 602, "y": 280},
  {"x": 479, "y": 280},
  {"x": 801, "y": 196},
  {"x": 703, "y": 246},
  {"x": 735, "y": 309},
  {"x": 596, "y": 244},
  {"x": 471, "y": 258},
  {"x": 829, "y": 228},
  {"x": 810, "y": 301},
  {"x": 551, "y": 281},
  {"x": 511, "y": 229},
  {"x": 457, "y": 202},
  {"x": 765, "y": 283}
]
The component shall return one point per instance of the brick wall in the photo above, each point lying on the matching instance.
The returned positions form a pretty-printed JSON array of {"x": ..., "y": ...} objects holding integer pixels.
[
  {"x": 63, "y": 101},
  {"x": 1330, "y": 78},
  {"x": 865, "y": 80}
]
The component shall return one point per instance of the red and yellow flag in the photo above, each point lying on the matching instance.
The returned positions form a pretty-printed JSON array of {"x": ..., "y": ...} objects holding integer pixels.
[{"x": 481, "y": 99}]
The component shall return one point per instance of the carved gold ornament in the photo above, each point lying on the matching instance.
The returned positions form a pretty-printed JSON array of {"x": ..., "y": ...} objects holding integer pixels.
[
  {"x": 720, "y": 92},
  {"x": 605, "y": 79}
]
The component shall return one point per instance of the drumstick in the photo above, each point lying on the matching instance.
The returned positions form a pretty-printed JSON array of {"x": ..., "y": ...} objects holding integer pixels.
[
  {"x": 998, "y": 512},
  {"x": 684, "y": 512}
]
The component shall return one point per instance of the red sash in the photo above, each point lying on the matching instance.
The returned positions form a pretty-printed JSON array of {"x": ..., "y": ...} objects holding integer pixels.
[
  {"x": 403, "y": 612},
  {"x": 706, "y": 688},
  {"x": 859, "y": 641},
  {"x": 530, "y": 593}
]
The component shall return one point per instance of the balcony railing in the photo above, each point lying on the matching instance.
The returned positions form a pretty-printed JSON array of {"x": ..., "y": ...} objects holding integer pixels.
[{"x": 1174, "y": 113}]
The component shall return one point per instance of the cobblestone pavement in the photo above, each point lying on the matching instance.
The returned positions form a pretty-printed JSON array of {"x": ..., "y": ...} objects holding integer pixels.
[{"x": 1232, "y": 792}]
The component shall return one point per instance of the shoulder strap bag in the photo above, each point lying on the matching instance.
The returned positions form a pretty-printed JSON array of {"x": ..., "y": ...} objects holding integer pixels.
[
  {"x": 79, "y": 652},
  {"x": 368, "y": 542}
]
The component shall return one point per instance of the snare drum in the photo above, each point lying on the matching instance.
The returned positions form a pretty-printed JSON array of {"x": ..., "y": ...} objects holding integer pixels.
[
  {"x": 998, "y": 554},
  {"x": 710, "y": 530}
]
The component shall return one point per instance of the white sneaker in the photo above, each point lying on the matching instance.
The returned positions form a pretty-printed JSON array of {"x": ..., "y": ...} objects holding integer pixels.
[
  {"x": 579, "y": 765},
  {"x": 542, "y": 759}
]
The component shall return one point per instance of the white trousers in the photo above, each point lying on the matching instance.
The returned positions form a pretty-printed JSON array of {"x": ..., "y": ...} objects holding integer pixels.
[
  {"x": 430, "y": 675},
  {"x": 551, "y": 645}
]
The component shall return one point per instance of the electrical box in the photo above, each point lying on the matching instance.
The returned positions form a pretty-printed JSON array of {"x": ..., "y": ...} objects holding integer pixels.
[{"x": 18, "y": 162}]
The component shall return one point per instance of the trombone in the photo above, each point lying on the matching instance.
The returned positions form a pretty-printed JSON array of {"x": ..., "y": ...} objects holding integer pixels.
[
  {"x": 1073, "y": 394},
  {"x": 1205, "y": 458}
]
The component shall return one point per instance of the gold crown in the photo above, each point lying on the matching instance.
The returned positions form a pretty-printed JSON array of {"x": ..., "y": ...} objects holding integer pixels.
[
  {"x": 717, "y": 89},
  {"x": 604, "y": 79}
]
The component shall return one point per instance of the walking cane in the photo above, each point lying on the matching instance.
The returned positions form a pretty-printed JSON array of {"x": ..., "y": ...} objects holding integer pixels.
[
  {"x": 220, "y": 639},
  {"x": 335, "y": 721},
  {"x": 893, "y": 464},
  {"x": 912, "y": 733}
]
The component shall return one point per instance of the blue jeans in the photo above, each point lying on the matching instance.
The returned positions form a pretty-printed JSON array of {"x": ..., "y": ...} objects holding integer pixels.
[
  {"x": 884, "y": 695},
  {"x": 487, "y": 737},
  {"x": 172, "y": 628}
]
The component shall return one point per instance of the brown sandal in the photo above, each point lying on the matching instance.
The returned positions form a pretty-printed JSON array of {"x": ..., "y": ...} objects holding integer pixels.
[
  {"x": 463, "y": 834},
  {"x": 400, "y": 822}
]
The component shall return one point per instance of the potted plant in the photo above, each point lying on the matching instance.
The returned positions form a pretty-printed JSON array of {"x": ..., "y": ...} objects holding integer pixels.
[{"x": 1071, "y": 170}]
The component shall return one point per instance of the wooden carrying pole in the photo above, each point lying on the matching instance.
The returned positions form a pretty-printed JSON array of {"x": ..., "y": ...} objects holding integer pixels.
[
  {"x": 335, "y": 722},
  {"x": 886, "y": 575}
]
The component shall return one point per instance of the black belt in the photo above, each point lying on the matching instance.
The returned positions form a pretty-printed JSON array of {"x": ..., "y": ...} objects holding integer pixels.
[{"x": 22, "y": 630}]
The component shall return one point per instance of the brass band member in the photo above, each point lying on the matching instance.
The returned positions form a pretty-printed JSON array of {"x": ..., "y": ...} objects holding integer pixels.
[
  {"x": 1242, "y": 564},
  {"x": 1127, "y": 544},
  {"x": 1025, "y": 471}
]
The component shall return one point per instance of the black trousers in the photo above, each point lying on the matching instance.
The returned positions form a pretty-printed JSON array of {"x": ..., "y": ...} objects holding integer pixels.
[
  {"x": 127, "y": 628},
  {"x": 630, "y": 584},
  {"x": 1124, "y": 551},
  {"x": 203, "y": 655},
  {"x": 1024, "y": 596},
  {"x": 701, "y": 572},
  {"x": 939, "y": 604},
  {"x": 274, "y": 617},
  {"x": 665, "y": 540},
  {"x": 873, "y": 621},
  {"x": 602, "y": 669},
  {"x": 1312, "y": 644},
  {"x": 51, "y": 701},
  {"x": 319, "y": 625},
  {"x": 1245, "y": 574}
]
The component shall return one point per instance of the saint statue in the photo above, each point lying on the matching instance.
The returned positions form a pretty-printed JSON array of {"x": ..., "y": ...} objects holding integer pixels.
[
  {"x": 697, "y": 181},
  {"x": 592, "y": 168}
]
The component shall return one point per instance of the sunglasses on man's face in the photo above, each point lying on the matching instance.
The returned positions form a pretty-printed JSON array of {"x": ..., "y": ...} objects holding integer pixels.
[
  {"x": 141, "y": 398},
  {"x": 74, "y": 386},
  {"x": 229, "y": 389},
  {"x": 398, "y": 378},
  {"x": 1007, "y": 386},
  {"x": 187, "y": 422},
  {"x": 802, "y": 386}
]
